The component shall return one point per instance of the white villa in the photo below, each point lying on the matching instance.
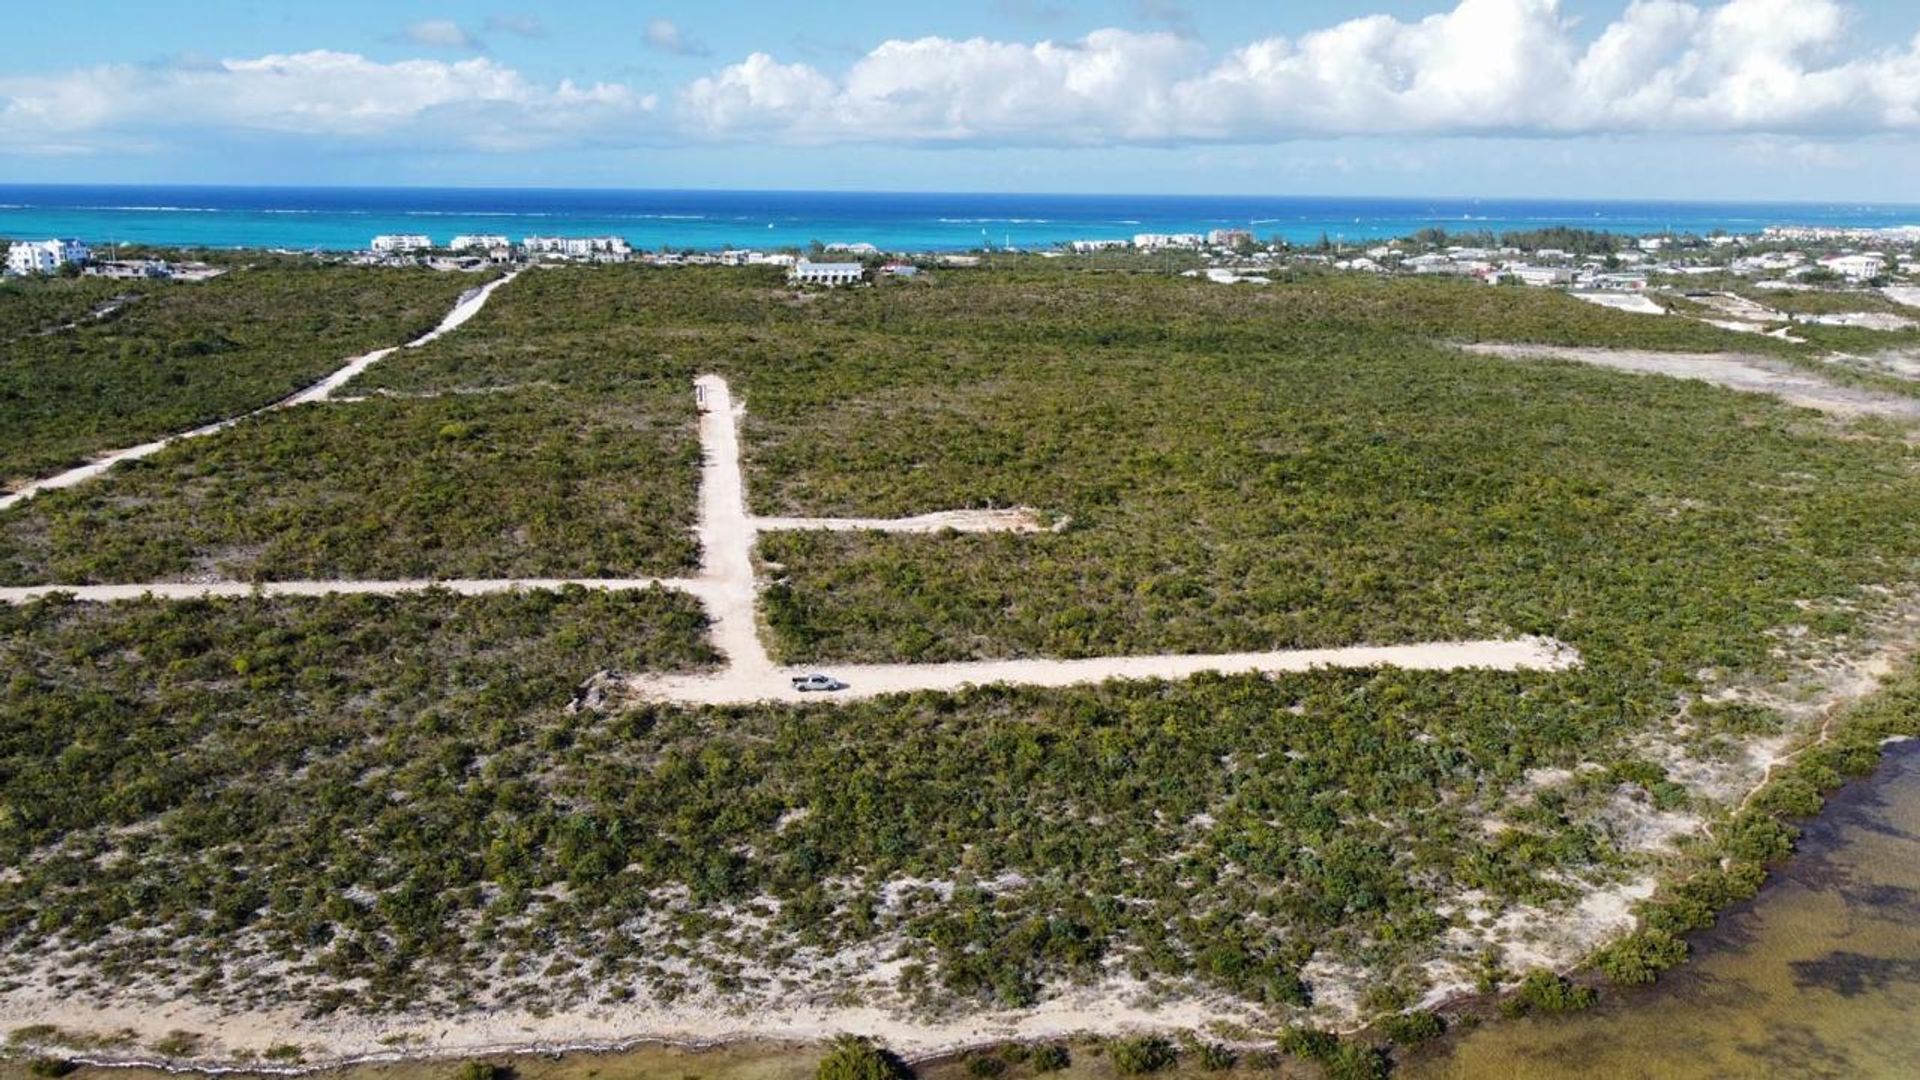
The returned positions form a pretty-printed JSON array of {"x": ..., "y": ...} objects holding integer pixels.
[
  {"x": 577, "y": 247},
  {"x": 1860, "y": 267},
  {"x": 1156, "y": 241},
  {"x": 478, "y": 243},
  {"x": 44, "y": 256},
  {"x": 396, "y": 243},
  {"x": 1540, "y": 275},
  {"x": 807, "y": 272}
]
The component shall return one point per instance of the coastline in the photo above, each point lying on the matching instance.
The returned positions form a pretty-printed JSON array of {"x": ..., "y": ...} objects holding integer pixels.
[{"x": 337, "y": 219}]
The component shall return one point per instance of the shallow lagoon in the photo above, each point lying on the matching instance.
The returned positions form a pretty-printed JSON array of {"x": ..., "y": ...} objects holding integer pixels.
[{"x": 1818, "y": 976}]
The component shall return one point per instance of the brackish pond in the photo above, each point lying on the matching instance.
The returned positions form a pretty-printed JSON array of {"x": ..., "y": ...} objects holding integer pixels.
[{"x": 1818, "y": 976}]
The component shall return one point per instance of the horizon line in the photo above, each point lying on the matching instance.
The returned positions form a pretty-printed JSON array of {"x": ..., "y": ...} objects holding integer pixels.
[{"x": 1613, "y": 200}]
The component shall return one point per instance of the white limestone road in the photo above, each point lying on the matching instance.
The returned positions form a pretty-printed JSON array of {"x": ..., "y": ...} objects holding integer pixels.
[
  {"x": 1019, "y": 519},
  {"x": 727, "y": 585},
  {"x": 185, "y": 590},
  {"x": 466, "y": 308},
  {"x": 731, "y": 686},
  {"x": 728, "y": 589},
  {"x": 1735, "y": 371}
]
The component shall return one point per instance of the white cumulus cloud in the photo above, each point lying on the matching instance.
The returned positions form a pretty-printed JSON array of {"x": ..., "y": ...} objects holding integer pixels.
[
  {"x": 1774, "y": 68},
  {"x": 476, "y": 102},
  {"x": 1486, "y": 66}
]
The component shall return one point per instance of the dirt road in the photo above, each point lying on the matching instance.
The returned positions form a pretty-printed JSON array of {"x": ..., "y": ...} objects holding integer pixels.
[
  {"x": 1735, "y": 371},
  {"x": 178, "y": 590},
  {"x": 727, "y": 585},
  {"x": 735, "y": 687},
  {"x": 466, "y": 308},
  {"x": 1019, "y": 519}
]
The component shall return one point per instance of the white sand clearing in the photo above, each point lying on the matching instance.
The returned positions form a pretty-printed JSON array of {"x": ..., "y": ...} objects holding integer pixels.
[
  {"x": 1634, "y": 303},
  {"x": 1735, "y": 371}
]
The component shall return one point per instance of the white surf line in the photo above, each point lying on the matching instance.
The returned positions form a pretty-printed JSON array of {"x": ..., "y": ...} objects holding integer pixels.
[
  {"x": 466, "y": 308},
  {"x": 872, "y": 680},
  {"x": 187, "y": 590}
]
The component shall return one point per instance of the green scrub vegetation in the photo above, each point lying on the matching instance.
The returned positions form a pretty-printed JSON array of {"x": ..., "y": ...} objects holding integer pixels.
[
  {"x": 478, "y": 485},
  {"x": 405, "y": 814},
  {"x": 184, "y": 354}
]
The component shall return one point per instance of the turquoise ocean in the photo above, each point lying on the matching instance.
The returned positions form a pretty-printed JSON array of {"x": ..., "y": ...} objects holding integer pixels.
[{"x": 341, "y": 219}]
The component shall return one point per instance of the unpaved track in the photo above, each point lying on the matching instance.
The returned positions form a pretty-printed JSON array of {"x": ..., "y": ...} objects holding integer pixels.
[
  {"x": 728, "y": 589},
  {"x": 1735, "y": 371},
  {"x": 180, "y": 590},
  {"x": 466, "y": 308},
  {"x": 726, "y": 534},
  {"x": 1019, "y": 519},
  {"x": 730, "y": 687},
  {"x": 727, "y": 585}
]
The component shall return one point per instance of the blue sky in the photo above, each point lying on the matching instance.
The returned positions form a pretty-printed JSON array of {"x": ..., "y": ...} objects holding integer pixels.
[{"x": 1789, "y": 99}]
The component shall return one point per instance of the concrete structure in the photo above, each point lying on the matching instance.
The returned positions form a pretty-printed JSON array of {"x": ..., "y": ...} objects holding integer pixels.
[
  {"x": 129, "y": 269},
  {"x": 484, "y": 242},
  {"x": 399, "y": 243},
  {"x": 807, "y": 272},
  {"x": 1221, "y": 275},
  {"x": 578, "y": 247},
  {"x": 1086, "y": 247},
  {"x": 45, "y": 256},
  {"x": 1229, "y": 237},
  {"x": 1156, "y": 241},
  {"x": 1540, "y": 275},
  {"x": 1861, "y": 267}
]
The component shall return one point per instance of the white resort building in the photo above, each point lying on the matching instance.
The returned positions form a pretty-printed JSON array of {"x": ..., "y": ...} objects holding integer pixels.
[
  {"x": 396, "y": 243},
  {"x": 1860, "y": 267},
  {"x": 482, "y": 242},
  {"x": 1156, "y": 241},
  {"x": 44, "y": 256},
  {"x": 578, "y": 247},
  {"x": 806, "y": 272}
]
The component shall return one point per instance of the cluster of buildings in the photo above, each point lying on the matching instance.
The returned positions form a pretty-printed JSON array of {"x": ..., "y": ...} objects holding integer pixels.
[
  {"x": 471, "y": 251},
  {"x": 26, "y": 257},
  {"x": 45, "y": 256},
  {"x": 1218, "y": 238}
]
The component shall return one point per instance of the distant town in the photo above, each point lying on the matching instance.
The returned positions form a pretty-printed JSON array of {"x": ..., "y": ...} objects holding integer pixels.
[{"x": 1610, "y": 269}]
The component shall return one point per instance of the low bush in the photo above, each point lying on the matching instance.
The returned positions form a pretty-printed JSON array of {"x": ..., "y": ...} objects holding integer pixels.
[
  {"x": 854, "y": 1058},
  {"x": 1138, "y": 1055}
]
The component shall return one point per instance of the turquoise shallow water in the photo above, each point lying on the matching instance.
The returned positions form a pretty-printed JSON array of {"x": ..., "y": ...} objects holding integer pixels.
[
  {"x": 341, "y": 219},
  {"x": 1818, "y": 976}
]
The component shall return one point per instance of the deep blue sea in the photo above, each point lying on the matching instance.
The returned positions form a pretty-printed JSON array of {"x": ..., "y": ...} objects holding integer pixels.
[{"x": 341, "y": 219}]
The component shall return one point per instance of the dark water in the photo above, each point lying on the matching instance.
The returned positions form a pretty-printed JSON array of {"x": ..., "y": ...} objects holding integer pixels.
[
  {"x": 1818, "y": 976},
  {"x": 346, "y": 218}
]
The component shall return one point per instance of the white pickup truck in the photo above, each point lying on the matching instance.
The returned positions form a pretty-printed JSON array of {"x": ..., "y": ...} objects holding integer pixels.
[{"x": 806, "y": 683}]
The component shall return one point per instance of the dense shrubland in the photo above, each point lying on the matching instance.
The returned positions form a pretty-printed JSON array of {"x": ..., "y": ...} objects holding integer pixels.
[
  {"x": 408, "y": 805},
  {"x": 187, "y": 353},
  {"x": 481, "y": 485},
  {"x": 392, "y": 791}
]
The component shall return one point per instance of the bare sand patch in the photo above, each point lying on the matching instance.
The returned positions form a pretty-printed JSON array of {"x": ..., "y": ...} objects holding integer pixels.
[
  {"x": 1630, "y": 302},
  {"x": 1734, "y": 371}
]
